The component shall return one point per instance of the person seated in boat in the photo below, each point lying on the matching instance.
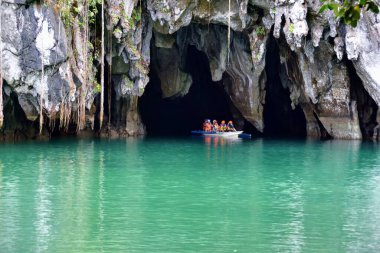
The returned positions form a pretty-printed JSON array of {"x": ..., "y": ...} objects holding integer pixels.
[
  {"x": 207, "y": 127},
  {"x": 223, "y": 126},
  {"x": 230, "y": 126},
  {"x": 215, "y": 125}
]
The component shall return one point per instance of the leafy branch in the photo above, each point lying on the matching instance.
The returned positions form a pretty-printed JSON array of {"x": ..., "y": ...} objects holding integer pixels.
[{"x": 349, "y": 11}]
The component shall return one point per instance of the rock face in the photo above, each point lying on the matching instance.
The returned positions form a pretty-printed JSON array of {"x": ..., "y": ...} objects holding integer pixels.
[
  {"x": 33, "y": 39},
  {"x": 326, "y": 89},
  {"x": 174, "y": 81},
  {"x": 362, "y": 45},
  {"x": 330, "y": 71}
]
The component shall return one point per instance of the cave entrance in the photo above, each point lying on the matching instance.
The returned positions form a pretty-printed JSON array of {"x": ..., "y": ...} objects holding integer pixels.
[
  {"x": 280, "y": 120},
  {"x": 179, "y": 115},
  {"x": 366, "y": 106}
]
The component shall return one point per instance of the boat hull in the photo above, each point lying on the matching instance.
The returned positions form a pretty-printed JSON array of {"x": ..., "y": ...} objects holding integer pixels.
[{"x": 218, "y": 134}]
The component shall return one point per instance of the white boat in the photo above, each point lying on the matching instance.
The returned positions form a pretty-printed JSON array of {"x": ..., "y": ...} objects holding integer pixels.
[{"x": 219, "y": 134}]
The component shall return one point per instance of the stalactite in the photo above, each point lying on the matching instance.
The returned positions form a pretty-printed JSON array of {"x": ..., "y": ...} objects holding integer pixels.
[
  {"x": 102, "y": 71},
  {"x": 65, "y": 114},
  {"x": 66, "y": 17},
  {"x": 52, "y": 121}
]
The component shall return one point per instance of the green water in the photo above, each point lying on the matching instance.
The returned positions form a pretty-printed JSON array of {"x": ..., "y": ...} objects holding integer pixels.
[{"x": 189, "y": 195}]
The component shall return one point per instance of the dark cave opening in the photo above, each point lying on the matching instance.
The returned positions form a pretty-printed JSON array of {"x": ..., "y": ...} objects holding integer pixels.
[
  {"x": 366, "y": 106},
  {"x": 179, "y": 115},
  {"x": 280, "y": 119},
  {"x": 16, "y": 125}
]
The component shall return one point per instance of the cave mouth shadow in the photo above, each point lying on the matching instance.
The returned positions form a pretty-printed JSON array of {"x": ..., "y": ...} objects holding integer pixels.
[
  {"x": 280, "y": 120},
  {"x": 366, "y": 107},
  {"x": 177, "y": 116}
]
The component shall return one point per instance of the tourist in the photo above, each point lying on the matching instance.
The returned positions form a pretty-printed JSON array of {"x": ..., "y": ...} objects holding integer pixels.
[
  {"x": 230, "y": 126},
  {"x": 223, "y": 126},
  {"x": 207, "y": 127},
  {"x": 215, "y": 125}
]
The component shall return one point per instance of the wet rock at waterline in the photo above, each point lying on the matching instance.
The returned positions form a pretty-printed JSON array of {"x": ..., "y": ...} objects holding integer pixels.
[{"x": 329, "y": 71}]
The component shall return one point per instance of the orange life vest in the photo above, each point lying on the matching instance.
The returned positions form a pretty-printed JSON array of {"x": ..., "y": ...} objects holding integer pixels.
[{"x": 205, "y": 126}]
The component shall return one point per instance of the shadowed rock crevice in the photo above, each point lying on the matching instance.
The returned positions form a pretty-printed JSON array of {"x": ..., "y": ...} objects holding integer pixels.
[
  {"x": 279, "y": 117},
  {"x": 17, "y": 127},
  {"x": 367, "y": 107},
  {"x": 323, "y": 133},
  {"x": 178, "y": 115}
]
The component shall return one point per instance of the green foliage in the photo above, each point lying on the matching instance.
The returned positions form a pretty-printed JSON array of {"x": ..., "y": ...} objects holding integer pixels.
[
  {"x": 134, "y": 19},
  {"x": 273, "y": 11},
  {"x": 349, "y": 11},
  {"x": 128, "y": 83},
  {"x": 97, "y": 87},
  {"x": 136, "y": 15},
  {"x": 69, "y": 10},
  {"x": 93, "y": 10},
  {"x": 291, "y": 28},
  {"x": 257, "y": 56},
  {"x": 260, "y": 30},
  {"x": 117, "y": 30},
  {"x": 66, "y": 16}
]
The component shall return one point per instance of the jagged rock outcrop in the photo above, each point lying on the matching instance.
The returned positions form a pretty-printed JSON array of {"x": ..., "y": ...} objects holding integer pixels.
[
  {"x": 169, "y": 16},
  {"x": 129, "y": 59},
  {"x": 326, "y": 87},
  {"x": 45, "y": 61},
  {"x": 174, "y": 81},
  {"x": 324, "y": 91},
  {"x": 33, "y": 39},
  {"x": 362, "y": 46},
  {"x": 247, "y": 81}
]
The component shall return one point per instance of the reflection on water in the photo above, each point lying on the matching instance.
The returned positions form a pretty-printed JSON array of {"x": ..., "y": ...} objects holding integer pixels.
[
  {"x": 217, "y": 141},
  {"x": 200, "y": 195},
  {"x": 43, "y": 209},
  {"x": 101, "y": 192}
]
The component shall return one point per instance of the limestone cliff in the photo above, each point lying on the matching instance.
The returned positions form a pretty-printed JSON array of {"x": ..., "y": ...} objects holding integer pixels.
[{"x": 330, "y": 70}]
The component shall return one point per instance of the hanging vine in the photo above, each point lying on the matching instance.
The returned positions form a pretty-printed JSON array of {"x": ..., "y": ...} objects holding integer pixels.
[
  {"x": 109, "y": 75},
  {"x": 102, "y": 69},
  {"x": 42, "y": 92},
  {"x": 41, "y": 121},
  {"x": 79, "y": 16},
  {"x": 81, "y": 111}
]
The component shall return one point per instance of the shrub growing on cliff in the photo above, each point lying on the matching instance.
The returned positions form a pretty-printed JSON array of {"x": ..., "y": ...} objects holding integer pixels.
[
  {"x": 349, "y": 11},
  {"x": 260, "y": 30},
  {"x": 291, "y": 28}
]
